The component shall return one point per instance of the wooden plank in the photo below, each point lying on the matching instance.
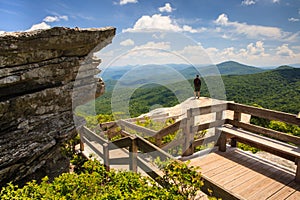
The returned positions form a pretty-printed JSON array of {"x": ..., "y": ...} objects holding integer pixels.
[
  {"x": 212, "y": 165},
  {"x": 272, "y": 186},
  {"x": 165, "y": 116},
  {"x": 92, "y": 136},
  {"x": 208, "y": 109},
  {"x": 146, "y": 147},
  {"x": 265, "y": 113},
  {"x": 121, "y": 143},
  {"x": 286, "y": 191},
  {"x": 119, "y": 161},
  {"x": 139, "y": 129},
  {"x": 220, "y": 169},
  {"x": 258, "y": 183},
  {"x": 205, "y": 126},
  {"x": 246, "y": 179},
  {"x": 218, "y": 190},
  {"x": 155, "y": 174},
  {"x": 294, "y": 196},
  {"x": 171, "y": 129},
  {"x": 107, "y": 125},
  {"x": 203, "y": 161},
  {"x": 276, "y": 147},
  {"x": 94, "y": 149},
  {"x": 267, "y": 132},
  {"x": 236, "y": 171},
  {"x": 249, "y": 172},
  {"x": 205, "y": 140}
]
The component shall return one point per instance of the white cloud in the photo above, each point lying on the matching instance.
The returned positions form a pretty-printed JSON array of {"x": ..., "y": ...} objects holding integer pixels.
[
  {"x": 153, "y": 45},
  {"x": 189, "y": 29},
  {"x": 124, "y": 2},
  {"x": 248, "y": 2},
  {"x": 256, "y": 54},
  {"x": 222, "y": 20},
  {"x": 251, "y": 31},
  {"x": 2, "y": 32},
  {"x": 128, "y": 42},
  {"x": 293, "y": 19},
  {"x": 256, "y": 49},
  {"x": 157, "y": 22},
  {"x": 166, "y": 8},
  {"x": 41, "y": 25},
  {"x": 55, "y": 18},
  {"x": 285, "y": 51},
  {"x": 276, "y": 1}
]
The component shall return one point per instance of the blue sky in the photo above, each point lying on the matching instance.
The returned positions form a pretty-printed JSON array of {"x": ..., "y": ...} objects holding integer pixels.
[{"x": 253, "y": 32}]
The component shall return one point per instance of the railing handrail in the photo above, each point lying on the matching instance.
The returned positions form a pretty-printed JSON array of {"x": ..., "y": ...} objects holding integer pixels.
[{"x": 265, "y": 113}]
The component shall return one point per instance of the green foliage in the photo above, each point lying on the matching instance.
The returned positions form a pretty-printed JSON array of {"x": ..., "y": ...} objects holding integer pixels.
[
  {"x": 246, "y": 147},
  {"x": 284, "y": 127},
  {"x": 276, "y": 89},
  {"x": 94, "y": 182},
  {"x": 182, "y": 178}
]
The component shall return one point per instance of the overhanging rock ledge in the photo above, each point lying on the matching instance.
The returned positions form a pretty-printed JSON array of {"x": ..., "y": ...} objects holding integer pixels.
[{"x": 38, "y": 80}]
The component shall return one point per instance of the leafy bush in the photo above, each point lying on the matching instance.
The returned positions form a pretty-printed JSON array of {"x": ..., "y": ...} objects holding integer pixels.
[
  {"x": 182, "y": 178},
  {"x": 94, "y": 182}
]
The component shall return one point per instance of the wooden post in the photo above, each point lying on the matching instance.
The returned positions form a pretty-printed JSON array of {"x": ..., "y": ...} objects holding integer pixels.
[
  {"x": 237, "y": 116},
  {"x": 188, "y": 148},
  {"x": 106, "y": 156},
  {"x": 297, "y": 178},
  {"x": 233, "y": 142},
  {"x": 133, "y": 149},
  {"x": 158, "y": 140},
  {"x": 81, "y": 143},
  {"x": 219, "y": 116},
  {"x": 222, "y": 142}
]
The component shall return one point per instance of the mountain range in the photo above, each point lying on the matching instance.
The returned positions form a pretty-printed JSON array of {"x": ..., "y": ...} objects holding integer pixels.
[
  {"x": 277, "y": 89},
  {"x": 188, "y": 71}
]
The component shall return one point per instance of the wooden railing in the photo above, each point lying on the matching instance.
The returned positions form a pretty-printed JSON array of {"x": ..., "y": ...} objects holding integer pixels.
[
  {"x": 134, "y": 145},
  {"x": 219, "y": 117}
]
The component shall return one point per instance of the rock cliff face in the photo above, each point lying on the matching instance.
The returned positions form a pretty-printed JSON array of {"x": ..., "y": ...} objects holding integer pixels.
[{"x": 39, "y": 87}]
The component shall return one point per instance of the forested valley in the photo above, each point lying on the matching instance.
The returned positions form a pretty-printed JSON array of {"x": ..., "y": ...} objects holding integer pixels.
[{"x": 277, "y": 89}]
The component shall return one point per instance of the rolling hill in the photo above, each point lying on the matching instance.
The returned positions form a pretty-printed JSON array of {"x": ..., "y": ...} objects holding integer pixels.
[
  {"x": 188, "y": 71},
  {"x": 277, "y": 89}
]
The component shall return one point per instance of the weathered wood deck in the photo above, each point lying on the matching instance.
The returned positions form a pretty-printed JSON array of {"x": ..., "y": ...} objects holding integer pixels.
[
  {"x": 233, "y": 174},
  {"x": 248, "y": 176}
]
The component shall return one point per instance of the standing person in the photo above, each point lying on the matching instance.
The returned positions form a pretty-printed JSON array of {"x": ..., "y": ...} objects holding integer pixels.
[{"x": 197, "y": 86}]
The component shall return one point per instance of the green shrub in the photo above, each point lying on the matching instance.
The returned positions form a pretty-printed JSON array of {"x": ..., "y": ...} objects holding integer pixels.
[{"x": 94, "y": 182}]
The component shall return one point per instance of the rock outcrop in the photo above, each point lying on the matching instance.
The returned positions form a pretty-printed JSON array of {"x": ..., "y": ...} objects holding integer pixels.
[{"x": 44, "y": 75}]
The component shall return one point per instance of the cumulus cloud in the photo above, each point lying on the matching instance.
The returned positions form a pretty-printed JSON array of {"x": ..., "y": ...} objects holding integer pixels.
[
  {"x": 285, "y": 51},
  {"x": 248, "y": 2},
  {"x": 293, "y": 19},
  {"x": 157, "y": 22},
  {"x": 276, "y": 1},
  {"x": 128, "y": 42},
  {"x": 55, "y": 18},
  {"x": 153, "y": 45},
  {"x": 124, "y": 2},
  {"x": 41, "y": 25},
  {"x": 2, "y": 32},
  {"x": 251, "y": 31},
  {"x": 166, "y": 8}
]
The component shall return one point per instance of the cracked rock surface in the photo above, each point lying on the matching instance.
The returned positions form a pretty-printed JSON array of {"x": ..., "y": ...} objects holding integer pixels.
[{"x": 40, "y": 85}]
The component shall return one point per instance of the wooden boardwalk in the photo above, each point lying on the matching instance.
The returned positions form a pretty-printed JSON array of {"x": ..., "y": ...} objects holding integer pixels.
[
  {"x": 233, "y": 174},
  {"x": 248, "y": 176}
]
